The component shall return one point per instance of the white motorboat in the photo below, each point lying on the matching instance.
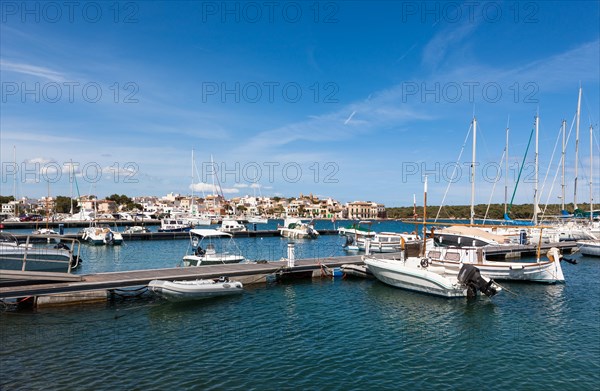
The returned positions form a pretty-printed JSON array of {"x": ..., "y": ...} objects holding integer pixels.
[
  {"x": 204, "y": 251},
  {"x": 295, "y": 228},
  {"x": 589, "y": 247},
  {"x": 385, "y": 242},
  {"x": 257, "y": 220},
  {"x": 548, "y": 271},
  {"x": 45, "y": 231},
  {"x": 174, "y": 225},
  {"x": 232, "y": 226},
  {"x": 195, "y": 289},
  {"x": 417, "y": 274},
  {"x": 19, "y": 256},
  {"x": 102, "y": 234},
  {"x": 136, "y": 229}
]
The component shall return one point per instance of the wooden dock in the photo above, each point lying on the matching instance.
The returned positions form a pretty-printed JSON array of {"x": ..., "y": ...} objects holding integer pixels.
[{"x": 245, "y": 272}]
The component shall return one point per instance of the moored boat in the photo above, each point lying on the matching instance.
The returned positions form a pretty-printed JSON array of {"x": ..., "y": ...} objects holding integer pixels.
[
  {"x": 204, "y": 251},
  {"x": 589, "y": 247},
  {"x": 195, "y": 289}
]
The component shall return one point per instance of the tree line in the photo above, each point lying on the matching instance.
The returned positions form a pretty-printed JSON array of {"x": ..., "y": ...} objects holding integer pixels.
[{"x": 496, "y": 211}]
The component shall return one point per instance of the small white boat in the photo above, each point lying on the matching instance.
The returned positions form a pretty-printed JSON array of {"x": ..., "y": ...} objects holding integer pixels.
[
  {"x": 258, "y": 220},
  {"x": 195, "y": 289},
  {"x": 589, "y": 247},
  {"x": 44, "y": 231},
  {"x": 295, "y": 228},
  {"x": 417, "y": 274},
  {"x": 102, "y": 234},
  {"x": 232, "y": 226},
  {"x": 136, "y": 229},
  {"x": 204, "y": 251},
  {"x": 174, "y": 225}
]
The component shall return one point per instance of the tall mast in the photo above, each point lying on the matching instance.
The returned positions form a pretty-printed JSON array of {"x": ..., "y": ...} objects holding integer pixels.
[
  {"x": 506, "y": 173},
  {"x": 71, "y": 186},
  {"x": 15, "y": 175},
  {"x": 577, "y": 148},
  {"x": 472, "y": 220},
  {"x": 192, "y": 203},
  {"x": 536, "y": 159},
  {"x": 424, "y": 217},
  {"x": 562, "y": 184},
  {"x": 591, "y": 174}
]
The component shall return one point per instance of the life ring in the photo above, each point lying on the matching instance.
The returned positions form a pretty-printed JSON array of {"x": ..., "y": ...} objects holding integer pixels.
[{"x": 424, "y": 262}]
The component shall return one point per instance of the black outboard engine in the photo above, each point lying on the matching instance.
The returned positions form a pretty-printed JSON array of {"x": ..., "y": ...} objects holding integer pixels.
[{"x": 470, "y": 276}]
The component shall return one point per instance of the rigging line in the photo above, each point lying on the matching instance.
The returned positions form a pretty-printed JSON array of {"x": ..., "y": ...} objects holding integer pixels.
[
  {"x": 520, "y": 171},
  {"x": 558, "y": 138},
  {"x": 558, "y": 164},
  {"x": 496, "y": 180},
  {"x": 453, "y": 172}
]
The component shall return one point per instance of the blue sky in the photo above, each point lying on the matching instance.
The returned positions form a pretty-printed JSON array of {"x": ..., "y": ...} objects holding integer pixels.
[{"x": 349, "y": 99}]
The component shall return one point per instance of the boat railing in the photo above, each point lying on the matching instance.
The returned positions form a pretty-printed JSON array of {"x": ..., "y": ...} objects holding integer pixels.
[{"x": 28, "y": 249}]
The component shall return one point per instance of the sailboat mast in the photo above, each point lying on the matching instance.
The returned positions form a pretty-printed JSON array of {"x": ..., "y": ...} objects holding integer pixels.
[
  {"x": 562, "y": 183},
  {"x": 71, "y": 186},
  {"x": 591, "y": 174},
  {"x": 536, "y": 159},
  {"x": 506, "y": 173},
  {"x": 472, "y": 220},
  {"x": 577, "y": 148},
  {"x": 192, "y": 203},
  {"x": 424, "y": 217}
]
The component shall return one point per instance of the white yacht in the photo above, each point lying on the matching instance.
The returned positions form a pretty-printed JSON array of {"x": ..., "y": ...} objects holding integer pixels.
[{"x": 174, "y": 225}]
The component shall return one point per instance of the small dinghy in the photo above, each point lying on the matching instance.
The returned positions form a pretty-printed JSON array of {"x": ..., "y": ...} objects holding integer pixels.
[{"x": 195, "y": 289}]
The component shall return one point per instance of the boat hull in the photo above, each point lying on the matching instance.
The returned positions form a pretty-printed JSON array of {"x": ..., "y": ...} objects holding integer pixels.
[
  {"x": 408, "y": 275},
  {"x": 217, "y": 259},
  {"x": 590, "y": 248},
  {"x": 194, "y": 290}
]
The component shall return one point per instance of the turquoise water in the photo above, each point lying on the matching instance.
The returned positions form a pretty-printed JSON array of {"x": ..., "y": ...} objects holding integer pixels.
[{"x": 314, "y": 334}]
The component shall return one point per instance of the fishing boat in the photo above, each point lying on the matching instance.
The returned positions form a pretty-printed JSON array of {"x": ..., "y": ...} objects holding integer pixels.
[
  {"x": 204, "y": 251},
  {"x": 589, "y": 247},
  {"x": 24, "y": 256},
  {"x": 547, "y": 271},
  {"x": 195, "y": 289},
  {"x": 295, "y": 228}
]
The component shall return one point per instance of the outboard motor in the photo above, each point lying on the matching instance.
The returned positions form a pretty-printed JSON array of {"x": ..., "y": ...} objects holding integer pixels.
[{"x": 470, "y": 276}]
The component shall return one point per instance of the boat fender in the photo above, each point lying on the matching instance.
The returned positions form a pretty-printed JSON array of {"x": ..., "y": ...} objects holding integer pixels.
[{"x": 424, "y": 262}]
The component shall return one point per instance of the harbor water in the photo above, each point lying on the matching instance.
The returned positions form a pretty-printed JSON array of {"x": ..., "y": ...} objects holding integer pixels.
[{"x": 313, "y": 334}]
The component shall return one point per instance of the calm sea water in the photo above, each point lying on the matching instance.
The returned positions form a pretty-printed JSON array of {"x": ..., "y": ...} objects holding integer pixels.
[{"x": 315, "y": 334}]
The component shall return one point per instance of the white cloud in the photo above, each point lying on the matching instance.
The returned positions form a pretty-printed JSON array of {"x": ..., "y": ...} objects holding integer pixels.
[
  {"x": 32, "y": 70},
  {"x": 209, "y": 188}
]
